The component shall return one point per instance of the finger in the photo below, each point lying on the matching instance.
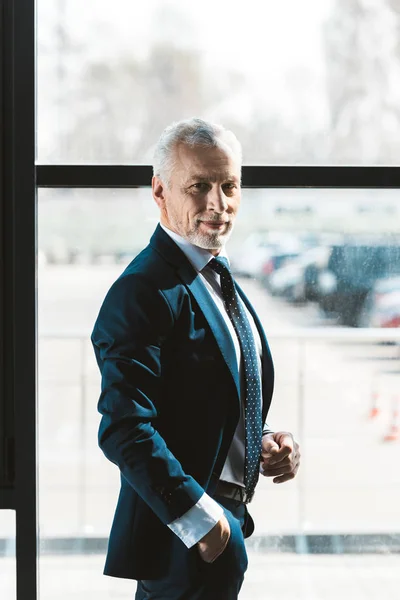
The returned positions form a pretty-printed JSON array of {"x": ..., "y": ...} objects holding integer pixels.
[
  {"x": 291, "y": 460},
  {"x": 287, "y": 442},
  {"x": 268, "y": 464},
  {"x": 269, "y": 447},
  {"x": 276, "y": 467},
  {"x": 284, "y": 439},
  {"x": 273, "y": 472},
  {"x": 278, "y": 470},
  {"x": 283, "y": 478},
  {"x": 204, "y": 556},
  {"x": 279, "y": 456},
  {"x": 209, "y": 555},
  {"x": 287, "y": 476}
]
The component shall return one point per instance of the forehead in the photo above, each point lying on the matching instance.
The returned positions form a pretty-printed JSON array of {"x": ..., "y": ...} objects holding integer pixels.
[{"x": 200, "y": 162}]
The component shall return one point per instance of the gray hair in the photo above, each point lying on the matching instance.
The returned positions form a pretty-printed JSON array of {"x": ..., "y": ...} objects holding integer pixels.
[{"x": 193, "y": 132}]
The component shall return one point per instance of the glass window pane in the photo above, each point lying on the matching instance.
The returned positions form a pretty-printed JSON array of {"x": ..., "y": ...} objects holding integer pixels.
[
  {"x": 8, "y": 582},
  {"x": 299, "y": 83},
  {"x": 310, "y": 261}
]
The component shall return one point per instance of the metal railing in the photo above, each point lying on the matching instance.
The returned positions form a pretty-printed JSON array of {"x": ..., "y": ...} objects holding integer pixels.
[{"x": 70, "y": 446}]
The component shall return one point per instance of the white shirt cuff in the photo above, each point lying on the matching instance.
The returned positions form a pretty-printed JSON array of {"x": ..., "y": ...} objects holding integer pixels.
[
  {"x": 197, "y": 521},
  {"x": 267, "y": 429}
]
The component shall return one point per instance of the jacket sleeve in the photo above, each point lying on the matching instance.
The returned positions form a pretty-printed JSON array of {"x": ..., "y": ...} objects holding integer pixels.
[{"x": 133, "y": 322}]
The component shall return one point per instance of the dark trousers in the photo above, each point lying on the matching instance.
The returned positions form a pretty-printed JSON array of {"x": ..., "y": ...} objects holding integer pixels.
[{"x": 190, "y": 578}]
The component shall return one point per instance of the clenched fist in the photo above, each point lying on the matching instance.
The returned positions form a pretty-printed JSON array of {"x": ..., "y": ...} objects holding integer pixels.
[{"x": 280, "y": 456}]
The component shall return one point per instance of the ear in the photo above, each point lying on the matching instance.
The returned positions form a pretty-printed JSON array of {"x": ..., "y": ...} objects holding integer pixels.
[{"x": 158, "y": 189}]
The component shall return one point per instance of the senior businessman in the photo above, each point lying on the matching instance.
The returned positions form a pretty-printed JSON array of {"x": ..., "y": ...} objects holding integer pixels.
[{"x": 187, "y": 381}]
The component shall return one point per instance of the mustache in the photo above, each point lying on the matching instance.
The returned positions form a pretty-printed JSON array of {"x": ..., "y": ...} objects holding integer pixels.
[{"x": 214, "y": 219}]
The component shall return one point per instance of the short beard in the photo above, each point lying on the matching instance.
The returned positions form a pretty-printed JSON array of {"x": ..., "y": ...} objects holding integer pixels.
[{"x": 211, "y": 241}]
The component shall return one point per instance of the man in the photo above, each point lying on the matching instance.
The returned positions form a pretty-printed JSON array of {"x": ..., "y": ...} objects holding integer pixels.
[{"x": 187, "y": 380}]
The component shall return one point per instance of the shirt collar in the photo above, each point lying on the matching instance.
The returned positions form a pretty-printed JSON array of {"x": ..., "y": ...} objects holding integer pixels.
[{"x": 198, "y": 257}]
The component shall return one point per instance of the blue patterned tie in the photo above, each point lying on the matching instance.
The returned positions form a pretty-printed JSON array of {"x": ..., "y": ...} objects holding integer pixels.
[{"x": 252, "y": 415}]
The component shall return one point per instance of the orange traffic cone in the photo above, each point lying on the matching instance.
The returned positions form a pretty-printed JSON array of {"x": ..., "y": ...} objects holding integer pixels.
[
  {"x": 393, "y": 433},
  {"x": 374, "y": 410}
]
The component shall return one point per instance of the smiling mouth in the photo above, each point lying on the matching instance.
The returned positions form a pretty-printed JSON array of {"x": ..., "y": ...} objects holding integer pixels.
[{"x": 215, "y": 224}]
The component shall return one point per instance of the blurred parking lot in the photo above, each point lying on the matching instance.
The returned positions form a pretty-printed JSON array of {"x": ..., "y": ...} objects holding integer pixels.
[
  {"x": 354, "y": 280},
  {"x": 329, "y": 381},
  {"x": 336, "y": 389}
]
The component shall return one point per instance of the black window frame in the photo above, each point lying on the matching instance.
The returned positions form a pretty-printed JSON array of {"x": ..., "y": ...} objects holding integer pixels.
[{"x": 253, "y": 176}]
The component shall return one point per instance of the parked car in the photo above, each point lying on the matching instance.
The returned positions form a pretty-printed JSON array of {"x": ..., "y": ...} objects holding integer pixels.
[
  {"x": 276, "y": 260},
  {"x": 297, "y": 278},
  {"x": 311, "y": 263},
  {"x": 282, "y": 280},
  {"x": 249, "y": 260},
  {"x": 382, "y": 305},
  {"x": 257, "y": 249},
  {"x": 351, "y": 273}
]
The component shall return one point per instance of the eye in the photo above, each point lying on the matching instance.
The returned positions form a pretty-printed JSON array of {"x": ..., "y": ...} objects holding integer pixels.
[
  {"x": 229, "y": 186},
  {"x": 201, "y": 186}
]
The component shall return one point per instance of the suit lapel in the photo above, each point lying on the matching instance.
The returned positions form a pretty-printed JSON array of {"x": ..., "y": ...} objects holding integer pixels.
[
  {"x": 165, "y": 246},
  {"x": 161, "y": 242},
  {"x": 214, "y": 319}
]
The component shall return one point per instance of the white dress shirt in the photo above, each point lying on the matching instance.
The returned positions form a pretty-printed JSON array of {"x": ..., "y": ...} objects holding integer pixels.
[{"x": 202, "y": 517}]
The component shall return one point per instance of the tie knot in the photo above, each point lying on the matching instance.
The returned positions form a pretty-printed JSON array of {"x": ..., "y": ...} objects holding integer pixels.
[{"x": 220, "y": 265}]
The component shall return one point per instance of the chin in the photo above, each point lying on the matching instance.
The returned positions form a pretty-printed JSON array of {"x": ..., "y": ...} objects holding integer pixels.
[{"x": 208, "y": 242}]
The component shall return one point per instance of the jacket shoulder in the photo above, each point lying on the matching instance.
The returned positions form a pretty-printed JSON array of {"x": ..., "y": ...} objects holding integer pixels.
[
  {"x": 150, "y": 266},
  {"x": 148, "y": 288}
]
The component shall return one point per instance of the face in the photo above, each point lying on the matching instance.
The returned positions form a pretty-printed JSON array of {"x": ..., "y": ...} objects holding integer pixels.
[{"x": 203, "y": 196}]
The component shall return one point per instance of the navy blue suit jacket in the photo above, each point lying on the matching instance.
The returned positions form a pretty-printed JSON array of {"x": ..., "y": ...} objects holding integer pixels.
[{"x": 169, "y": 400}]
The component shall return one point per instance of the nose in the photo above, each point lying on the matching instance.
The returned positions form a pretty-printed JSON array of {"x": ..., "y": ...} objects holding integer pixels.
[{"x": 217, "y": 200}]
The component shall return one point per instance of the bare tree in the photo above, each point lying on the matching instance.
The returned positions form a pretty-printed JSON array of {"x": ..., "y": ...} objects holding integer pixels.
[{"x": 362, "y": 68}]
